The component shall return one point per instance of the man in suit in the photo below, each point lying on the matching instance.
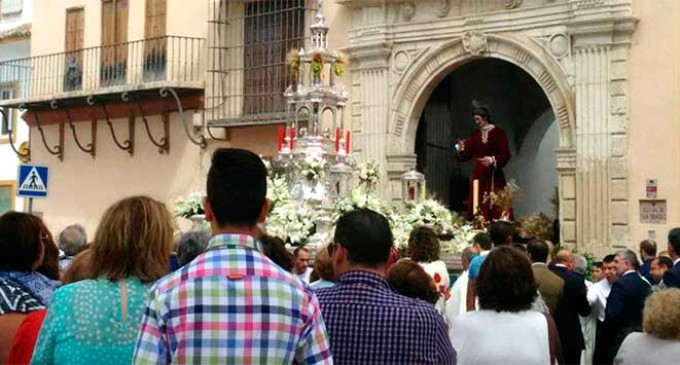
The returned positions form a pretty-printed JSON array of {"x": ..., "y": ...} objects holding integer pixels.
[
  {"x": 647, "y": 254},
  {"x": 671, "y": 278},
  {"x": 549, "y": 284},
  {"x": 573, "y": 304},
  {"x": 626, "y": 301}
]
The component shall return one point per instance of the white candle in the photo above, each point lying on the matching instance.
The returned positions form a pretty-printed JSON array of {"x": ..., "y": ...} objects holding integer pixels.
[{"x": 475, "y": 196}]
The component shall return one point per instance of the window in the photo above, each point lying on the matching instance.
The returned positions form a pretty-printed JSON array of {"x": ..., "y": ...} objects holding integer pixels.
[
  {"x": 155, "y": 46},
  {"x": 11, "y": 6},
  {"x": 272, "y": 28},
  {"x": 73, "y": 61},
  {"x": 7, "y": 91},
  {"x": 114, "y": 47},
  {"x": 7, "y": 196}
]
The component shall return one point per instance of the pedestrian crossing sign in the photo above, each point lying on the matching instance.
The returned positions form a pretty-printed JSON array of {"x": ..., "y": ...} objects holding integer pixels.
[{"x": 33, "y": 180}]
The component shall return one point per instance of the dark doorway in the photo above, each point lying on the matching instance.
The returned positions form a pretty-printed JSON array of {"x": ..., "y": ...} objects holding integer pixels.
[{"x": 518, "y": 106}]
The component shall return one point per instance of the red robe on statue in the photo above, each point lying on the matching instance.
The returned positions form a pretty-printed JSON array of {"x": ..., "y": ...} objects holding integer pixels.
[{"x": 493, "y": 142}]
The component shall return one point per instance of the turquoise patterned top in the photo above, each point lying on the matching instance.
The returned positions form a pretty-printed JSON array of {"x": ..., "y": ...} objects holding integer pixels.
[{"x": 84, "y": 324}]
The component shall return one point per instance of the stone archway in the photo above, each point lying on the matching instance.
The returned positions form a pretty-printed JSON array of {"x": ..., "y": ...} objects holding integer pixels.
[{"x": 421, "y": 77}]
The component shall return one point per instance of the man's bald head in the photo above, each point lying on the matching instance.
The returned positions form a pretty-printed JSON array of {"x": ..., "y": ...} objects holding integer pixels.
[{"x": 565, "y": 257}]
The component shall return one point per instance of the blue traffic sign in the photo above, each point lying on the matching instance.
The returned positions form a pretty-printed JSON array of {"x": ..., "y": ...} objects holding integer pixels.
[{"x": 33, "y": 180}]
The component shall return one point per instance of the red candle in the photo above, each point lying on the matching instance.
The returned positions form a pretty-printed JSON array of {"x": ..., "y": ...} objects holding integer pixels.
[
  {"x": 337, "y": 140},
  {"x": 292, "y": 137},
  {"x": 281, "y": 133},
  {"x": 411, "y": 193},
  {"x": 347, "y": 143}
]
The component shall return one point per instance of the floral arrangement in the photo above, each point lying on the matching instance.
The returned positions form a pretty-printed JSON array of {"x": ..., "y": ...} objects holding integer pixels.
[
  {"x": 312, "y": 168},
  {"x": 278, "y": 191},
  {"x": 536, "y": 226},
  {"x": 317, "y": 65},
  {"x": 429, "y": 213},
  {"x": 292, "y": 221},
  {"x": 189, "y": 206},
  {"x": 505, "y": 198},
  {"x": 359, "y": 198},
  {"x": 339, "y": 66},
  {"x": 294, "y": 63},
  {"x": 369, "y": 174},
  {"x": 462, "y": 238}
]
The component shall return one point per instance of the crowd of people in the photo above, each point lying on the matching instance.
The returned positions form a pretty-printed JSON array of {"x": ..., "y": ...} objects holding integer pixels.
[{"x": 238, "y": 296}]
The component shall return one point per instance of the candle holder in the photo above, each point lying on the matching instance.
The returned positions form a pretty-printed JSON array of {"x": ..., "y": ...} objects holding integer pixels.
[{"x": 413, "y": 187}]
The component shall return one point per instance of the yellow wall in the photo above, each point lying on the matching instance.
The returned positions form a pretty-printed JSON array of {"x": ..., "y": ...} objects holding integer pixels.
[
  {"x": 187, "y": 18},
  {"x": 654, "y": 137}
]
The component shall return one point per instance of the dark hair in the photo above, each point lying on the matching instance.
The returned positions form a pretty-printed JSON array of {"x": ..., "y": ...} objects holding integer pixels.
[
  {"x": 191, "y": 244},
  {"x": 423, "y": 245},
  {"x": 664, "y": 261},
  {"x": 298, "y": 249},
  {"x": 538, "y": 250},
  {"x": 674, "y": 239},
  {"x": 410, "y": 279},
  {"x": 275, "y": 249},
  {"x": 483, "y": 240},
  {"x": 506, "y": 281},
  {"x": 499, "y": 232},
  {"x": 20, "y": 241},
  {"x": 483, "y": 112},
  {"x": 366, "y": 236},
  {"x": 50, "y": 262},
  {"x": 597, "y": 264},
  {"x": 648, "y": 247},
  {"x": 237, "y": 187},
  {"x": 608, "y": 259}
]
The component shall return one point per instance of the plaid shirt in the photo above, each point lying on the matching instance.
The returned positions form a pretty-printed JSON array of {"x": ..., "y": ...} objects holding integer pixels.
[
  {"x": 232, "y": 305},
  {"x": 370, "y": 324}
]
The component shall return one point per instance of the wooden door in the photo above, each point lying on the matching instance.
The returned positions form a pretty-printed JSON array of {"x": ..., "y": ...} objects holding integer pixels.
[
  {"x": 155, "y": 46},
  {"x": 114, "y": 38},
  {"x": 73, "y": 59}
]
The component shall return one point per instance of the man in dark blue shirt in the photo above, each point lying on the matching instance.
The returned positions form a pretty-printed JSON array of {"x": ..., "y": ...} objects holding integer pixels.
[{"x": 369, "y": 323}]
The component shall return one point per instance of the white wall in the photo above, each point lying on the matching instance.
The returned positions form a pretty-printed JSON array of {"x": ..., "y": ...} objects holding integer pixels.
[
  {"x": 9, "y": 160},
  {"x": 534, "y": 168},
  {"x": 13, "y": 20}
]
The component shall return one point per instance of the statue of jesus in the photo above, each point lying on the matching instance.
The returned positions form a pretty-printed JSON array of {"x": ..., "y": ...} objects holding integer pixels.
[{"x": 488, "y": 145}]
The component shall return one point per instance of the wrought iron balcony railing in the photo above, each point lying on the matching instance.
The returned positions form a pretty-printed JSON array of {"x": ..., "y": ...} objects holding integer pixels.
[{"x": 137, "y": 65}]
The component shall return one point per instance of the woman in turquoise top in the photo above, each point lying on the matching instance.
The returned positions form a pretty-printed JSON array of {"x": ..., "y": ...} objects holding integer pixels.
[{"x": 96, "y": 321}]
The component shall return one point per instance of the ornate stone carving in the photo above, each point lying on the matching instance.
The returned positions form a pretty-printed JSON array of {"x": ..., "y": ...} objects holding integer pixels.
[
  {"x": 475, "y": 43},
  {"x": 445, "y": 8},
  {"x": 401, "y": 61},
  {"x": 512, "y": 4},
  {"x": 408, "y": 10},
  {"x": 558, "y": 45}
]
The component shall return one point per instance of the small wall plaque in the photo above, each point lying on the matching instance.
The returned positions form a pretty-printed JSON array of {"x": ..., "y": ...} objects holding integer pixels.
[{"x": 653, "y": 211}]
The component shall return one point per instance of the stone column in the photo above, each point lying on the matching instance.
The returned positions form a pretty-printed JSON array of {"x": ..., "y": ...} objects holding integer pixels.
[
  {"x": 600, "y": 48},
  {"x": 370, "y": 55}
]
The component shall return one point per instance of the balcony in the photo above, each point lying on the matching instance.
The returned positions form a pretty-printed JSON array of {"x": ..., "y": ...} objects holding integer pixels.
[{"x": 139, "y": 67}]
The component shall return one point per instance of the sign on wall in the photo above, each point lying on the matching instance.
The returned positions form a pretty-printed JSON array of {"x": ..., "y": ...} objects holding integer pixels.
[
  {"x": 653, "y": 211},
  {"x": 33, "y": 181},
  {"x": 651, "y": 188}
]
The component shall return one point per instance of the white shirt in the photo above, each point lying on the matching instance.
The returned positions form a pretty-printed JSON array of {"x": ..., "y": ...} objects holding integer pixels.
[
  {"x": 490, "y": 337},
  {"x": 457, "y": 304},
  {"x": 675, "y": 262},
  {"x": 597, "y": 297},
  {"x": 305, "y": 276}
]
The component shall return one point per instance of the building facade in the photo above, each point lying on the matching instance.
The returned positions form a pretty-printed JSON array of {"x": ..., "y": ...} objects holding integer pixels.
[
  {"x": 15, "y": 33},
  {"x": 586, "y": 89}
]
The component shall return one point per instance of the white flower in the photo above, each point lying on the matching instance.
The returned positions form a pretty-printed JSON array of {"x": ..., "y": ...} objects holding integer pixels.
[
  {"x": 360, "y": 198},
  {"x": 278, "y": 191},
  {"x": 312, "y": 168},
  {"x": 189, "y": 206},
  {"x": 291, "y": 221},
  {"x": 369, "y": 174}
]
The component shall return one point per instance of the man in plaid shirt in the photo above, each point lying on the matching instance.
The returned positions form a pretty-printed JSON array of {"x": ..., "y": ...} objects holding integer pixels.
[
  {"x": 232, "y": 305},
  {"x": 367, "y": 321}
]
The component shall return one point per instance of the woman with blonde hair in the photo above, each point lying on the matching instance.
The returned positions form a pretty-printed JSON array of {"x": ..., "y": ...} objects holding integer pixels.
[
  {"x": 96, "y": 321},
  {"x": 660, "y": 343}
]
